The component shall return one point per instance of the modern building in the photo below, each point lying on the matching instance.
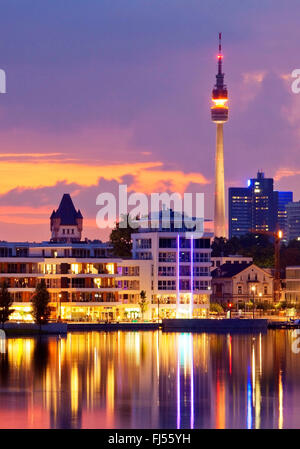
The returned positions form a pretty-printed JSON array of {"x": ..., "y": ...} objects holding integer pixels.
[
  {"x": 257, "y": 207},
  {"x": 180, "y": 271},
  {"x": 231, "y": 259},
  {"x": 293, "y": 220},
  {"x": 219, "y": 115},
  {"x": 284, "y": 198},
  {"x": 87, "y": 284},
  {"x": 292, "y": 285},
  {"x": 239, "y": 211},
  {"x": 240, "y": 283}
]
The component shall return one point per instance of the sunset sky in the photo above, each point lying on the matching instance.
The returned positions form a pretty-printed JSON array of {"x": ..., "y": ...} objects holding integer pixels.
[{"x": 118, "y": 91}]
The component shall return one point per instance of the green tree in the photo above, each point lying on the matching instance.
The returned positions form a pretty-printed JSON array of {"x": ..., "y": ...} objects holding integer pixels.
[
  {"x": 120, "y": 237},
  {"x": 5, "y": 303},
  {"x": 257, "y": 246},
  {"x": 216, "y": 308},
  {"x": 143, "y": 303},
  {"x": 290, "y": 255},
  {"x": 40, "y": 303}
]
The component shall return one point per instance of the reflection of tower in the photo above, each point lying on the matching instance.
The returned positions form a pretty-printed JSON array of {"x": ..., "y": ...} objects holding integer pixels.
[{"x": 219, "y": 115}]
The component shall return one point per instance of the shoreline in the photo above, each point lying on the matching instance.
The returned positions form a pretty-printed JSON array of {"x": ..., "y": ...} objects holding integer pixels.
[{"x": 167, "y": 325}]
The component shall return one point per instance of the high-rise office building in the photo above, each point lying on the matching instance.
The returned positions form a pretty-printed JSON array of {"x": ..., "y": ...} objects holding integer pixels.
[
  {"x": 257, "y": 207},
  {"x": 239, "y": 210},
  {"x": 293, "y": 220},
  {"x": 264, "y": 203},
  {"x": 283, "y": 199}
]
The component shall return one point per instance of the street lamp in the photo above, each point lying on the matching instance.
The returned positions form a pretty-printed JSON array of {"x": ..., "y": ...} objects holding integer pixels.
[{"x": 253, "y": 288}]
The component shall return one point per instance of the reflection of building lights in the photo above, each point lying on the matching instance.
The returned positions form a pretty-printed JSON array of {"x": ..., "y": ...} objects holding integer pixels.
[
  {"x": 192, "y": 277},
  {"x": 74, "y": 389},
  {"x": 249, "y": 400},
  {"x": 280, "y": 401},
  {"x": 177, "y": 277}
]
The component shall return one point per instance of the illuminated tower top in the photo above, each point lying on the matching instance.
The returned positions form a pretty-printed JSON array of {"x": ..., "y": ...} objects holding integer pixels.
[{"x": 219, "y": 110}]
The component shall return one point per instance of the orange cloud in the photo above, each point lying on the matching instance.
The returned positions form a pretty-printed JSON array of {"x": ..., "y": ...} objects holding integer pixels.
[
  {"x": 32, "y": 216},
  {"x": 159, "y": 180},
  {"x": 149, "y": 176},
  {"x": 285, "y": 172}
]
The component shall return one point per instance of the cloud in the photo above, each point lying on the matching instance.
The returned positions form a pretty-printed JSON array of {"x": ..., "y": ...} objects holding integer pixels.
[
  {"x": 148, "y": 176},
  {"x": 286, "y": 172}
]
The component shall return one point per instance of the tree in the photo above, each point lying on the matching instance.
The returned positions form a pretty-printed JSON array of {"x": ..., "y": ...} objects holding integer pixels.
[
  {"x": 40, "y": 303},
  {"x": 5, "y": 303},
  {"x": 216, "y": 308},
  {"x": 259, "y": 247},
  {"x": 143, "y": 303},
  {"x": 120, "y": 238}
]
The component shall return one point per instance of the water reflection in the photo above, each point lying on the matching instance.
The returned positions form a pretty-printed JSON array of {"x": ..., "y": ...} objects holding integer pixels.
[{"x": 150, "y": 379}]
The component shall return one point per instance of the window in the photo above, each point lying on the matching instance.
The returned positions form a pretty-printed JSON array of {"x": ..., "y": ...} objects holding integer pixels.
[
  {"x": 143, "y": 243},
  {"x": 240, "y": 290},
  {"x": 166, "y": 285},
  {"x": 167, "y": 257},
  {"x": 184, "y": 284},
  {"x": 78, "y": 283},
  {"x": 167, "y": 243},
  {"x": 166, "y": 271},
  {"x": 201, "y": 257},
  {"x": 201, "y": 243},
  {"x": 201, "y": 271},
  {"x": 143, "y": 255},
  {"x": 184, "y": 257},
  {"x": 184, "y": 270},
  {"x": 201, "y": 285}
]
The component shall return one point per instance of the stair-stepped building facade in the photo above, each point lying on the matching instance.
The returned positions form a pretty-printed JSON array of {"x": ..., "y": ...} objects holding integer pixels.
[{"x": 87, "y": 284}]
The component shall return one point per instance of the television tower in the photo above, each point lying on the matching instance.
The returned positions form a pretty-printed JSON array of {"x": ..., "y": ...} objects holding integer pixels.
[{"x": 219, "y": 115}]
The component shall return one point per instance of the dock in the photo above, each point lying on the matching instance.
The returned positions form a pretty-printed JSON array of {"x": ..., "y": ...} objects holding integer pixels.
[
  {"x": 109, "y": 327},
  {"x": 211, "y": 325}
]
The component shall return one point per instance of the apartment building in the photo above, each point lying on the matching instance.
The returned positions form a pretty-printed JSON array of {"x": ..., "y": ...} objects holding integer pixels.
[
  {"x": 180, "y": 271},
  {"x": 87, "y": 284}
]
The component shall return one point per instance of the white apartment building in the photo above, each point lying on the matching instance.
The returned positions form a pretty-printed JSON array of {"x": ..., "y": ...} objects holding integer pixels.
[{"x": 180, "y": 272}]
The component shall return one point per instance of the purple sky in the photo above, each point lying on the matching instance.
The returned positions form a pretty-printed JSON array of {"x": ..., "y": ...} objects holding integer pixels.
[{"x": 102, "y": 92}]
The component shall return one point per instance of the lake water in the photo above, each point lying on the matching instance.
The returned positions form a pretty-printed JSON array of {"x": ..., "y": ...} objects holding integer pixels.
[{"x": 150, "y": 380}]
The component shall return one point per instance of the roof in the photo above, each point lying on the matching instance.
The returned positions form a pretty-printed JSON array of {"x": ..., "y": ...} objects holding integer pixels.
[
  {"x": 227, "y": 270},
  {"x": 66, "y": 211}
]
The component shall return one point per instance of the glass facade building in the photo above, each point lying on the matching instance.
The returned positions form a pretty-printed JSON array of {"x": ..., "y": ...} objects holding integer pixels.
[{"x": 257, "y": 207}]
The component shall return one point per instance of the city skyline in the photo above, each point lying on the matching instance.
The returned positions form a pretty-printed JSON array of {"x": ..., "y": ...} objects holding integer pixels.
[{"x": 85, "y": 102}]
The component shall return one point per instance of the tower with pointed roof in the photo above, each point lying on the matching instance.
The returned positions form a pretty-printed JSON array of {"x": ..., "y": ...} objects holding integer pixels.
[
  {"x": 219, "y": 115},
  {"x": 66, "y": 223}
]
